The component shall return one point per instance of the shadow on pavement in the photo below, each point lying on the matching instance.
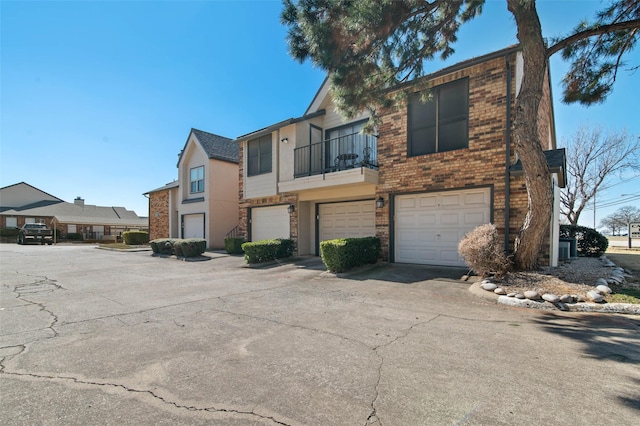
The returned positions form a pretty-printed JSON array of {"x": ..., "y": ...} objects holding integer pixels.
[
  {"x": 406, "y": 274},
  {"x": 604, "y": 337}
]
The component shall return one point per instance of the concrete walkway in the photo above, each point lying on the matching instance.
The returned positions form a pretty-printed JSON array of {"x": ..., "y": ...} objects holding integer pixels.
[{"x": 99, "y": 337}]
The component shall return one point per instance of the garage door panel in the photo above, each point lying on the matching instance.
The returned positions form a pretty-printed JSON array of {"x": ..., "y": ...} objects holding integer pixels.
[
  {"x": 450, "y": 200},
  {"x": 449, "y": 237},
  {"x": 449, "y": 219},
  {"x": 475, "y": 217},
  {"x": 427, "y": 219},
  {"x": 429, "y": 227},
  {"x": 428, "y": 201},
  {"x": 406, "y": 203},
  {"x": 476, "y": 198}
]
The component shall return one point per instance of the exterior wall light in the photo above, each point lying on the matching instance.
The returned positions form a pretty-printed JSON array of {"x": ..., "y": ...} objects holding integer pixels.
[
  {"x": 291, "y": 208},
  {"x": 284, "y": 140},
  {"x": 380, "y": 203}
]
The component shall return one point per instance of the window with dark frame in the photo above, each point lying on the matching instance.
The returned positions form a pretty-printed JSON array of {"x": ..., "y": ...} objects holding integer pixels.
[
  {"x": 440, "y": 123},
  {"x": 259, "y": 156},
  {"x": 197, "y": 179}
]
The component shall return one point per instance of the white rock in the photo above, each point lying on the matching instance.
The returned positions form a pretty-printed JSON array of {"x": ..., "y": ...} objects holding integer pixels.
[
  {"x": 512, "y": 294},
  {"x": 601, "y": 281},
  {"x": 531, "y": 295},
  {"x": 579, "y": 298},
  {"x": 551, "y": 298},
  {"x": 489, "y": 286},
  {"x": 520, "y": 296},
  {"x": 500, "y": 291},
  {"x": 594, "y": 296},
  {"x": 486, "y": 281},
  {"x": 603, "y": 289}
]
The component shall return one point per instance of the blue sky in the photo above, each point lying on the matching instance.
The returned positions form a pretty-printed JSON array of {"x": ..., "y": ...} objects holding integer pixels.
[{"x": 97, "y": 97}]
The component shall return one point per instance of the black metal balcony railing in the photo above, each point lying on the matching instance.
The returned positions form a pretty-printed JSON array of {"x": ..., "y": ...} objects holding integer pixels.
[{"x": 344, "y": 152}]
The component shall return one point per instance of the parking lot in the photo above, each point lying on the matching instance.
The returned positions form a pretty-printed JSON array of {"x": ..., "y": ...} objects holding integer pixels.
[{"x": 89, "y": 336}]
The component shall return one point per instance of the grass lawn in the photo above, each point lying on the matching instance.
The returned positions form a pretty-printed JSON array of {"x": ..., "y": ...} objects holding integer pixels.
[{"x": 628, "y": 259}]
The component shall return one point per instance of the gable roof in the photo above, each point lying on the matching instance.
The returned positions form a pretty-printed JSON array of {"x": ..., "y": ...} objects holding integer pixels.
[
  {"x": 170, "y": 185},
  {"x": 279, "y": 125},
  {"x": 216, "y": 147},
  {"x": 557, "y": 162},
  {"x": 22, "y": 194},
  {"x": 88, "y": 214}
]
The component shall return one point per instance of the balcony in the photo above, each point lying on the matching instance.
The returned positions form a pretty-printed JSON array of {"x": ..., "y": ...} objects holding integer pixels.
[{"x": 334, "y": 155}]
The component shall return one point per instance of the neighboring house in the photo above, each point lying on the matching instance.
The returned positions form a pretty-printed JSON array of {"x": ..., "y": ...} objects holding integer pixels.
[
  {"x": 203, "y": 202},
  {"x": 22, "y": 203},
  {"x": 435, "y": 170}
]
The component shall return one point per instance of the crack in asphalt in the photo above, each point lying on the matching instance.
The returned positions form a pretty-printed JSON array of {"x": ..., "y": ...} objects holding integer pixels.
[
  {"x": 373, "y": 416},
  {"x": 41, "y": 285},
  {"x": 150, "y": 393}
]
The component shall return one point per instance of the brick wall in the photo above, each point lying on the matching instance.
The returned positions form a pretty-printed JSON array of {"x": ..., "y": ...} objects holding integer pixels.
[
  {"x": 159, "y": 214},
  {"x": 482, "y": 164}
]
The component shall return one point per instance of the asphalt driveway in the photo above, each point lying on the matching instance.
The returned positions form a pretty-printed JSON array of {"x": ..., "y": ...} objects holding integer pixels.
[{"x": 90, "y": 336}]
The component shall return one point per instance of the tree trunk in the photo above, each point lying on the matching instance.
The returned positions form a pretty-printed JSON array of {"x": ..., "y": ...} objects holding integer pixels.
[{"x": 535, "y": 228}]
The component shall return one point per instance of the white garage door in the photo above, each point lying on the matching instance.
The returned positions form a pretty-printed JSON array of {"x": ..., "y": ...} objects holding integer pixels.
[
  {"x": 193, "y": 225},
  {"x": 269, "y": 222},
  {"x": 347, "y": 220},
  {"x": 429, "y": 226}
]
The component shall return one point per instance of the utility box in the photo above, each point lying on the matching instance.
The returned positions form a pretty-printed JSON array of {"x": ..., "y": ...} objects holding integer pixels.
[
  {"x": 573, "y": 246},
  {"x": 564, "y": 250}
]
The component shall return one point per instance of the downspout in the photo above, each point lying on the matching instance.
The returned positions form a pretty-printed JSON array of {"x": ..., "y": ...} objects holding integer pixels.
[{"x": 507, "y": 177}]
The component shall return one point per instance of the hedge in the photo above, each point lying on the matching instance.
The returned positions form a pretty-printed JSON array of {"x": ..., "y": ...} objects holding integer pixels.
[
  {"x": 265, "y": 250},
  {"x": 345, "y": 253},
  {"x": 9, "y": 232},
  {"x": 134, "y": 238},
  {"x": 590, "y": 242},
  {"x": 74, "y": 236},
  {"x": 233, "y": 245},
  {"x": 191, "y": 247}
]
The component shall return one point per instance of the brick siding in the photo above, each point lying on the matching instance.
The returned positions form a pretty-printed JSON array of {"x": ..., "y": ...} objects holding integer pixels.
[{"x": 159, "y": 214}]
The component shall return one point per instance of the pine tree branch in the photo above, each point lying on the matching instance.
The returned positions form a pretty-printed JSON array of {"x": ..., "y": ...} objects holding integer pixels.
[{"x": 603, "y": 29}]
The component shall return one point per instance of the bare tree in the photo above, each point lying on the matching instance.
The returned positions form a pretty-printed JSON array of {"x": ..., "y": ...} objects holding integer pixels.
[
  {"x": 624, "y": 216},
  {"x": 594, "y": 157}
]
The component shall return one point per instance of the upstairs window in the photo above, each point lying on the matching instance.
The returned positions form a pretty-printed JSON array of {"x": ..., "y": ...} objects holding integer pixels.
[
  {"x": 197, "y": 179},
  {"x": 259, "y": 156},
  {"x": 440, "y": 123}
]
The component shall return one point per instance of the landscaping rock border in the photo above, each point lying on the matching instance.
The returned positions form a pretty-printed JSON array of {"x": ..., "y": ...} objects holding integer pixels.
[{"x": 566, "y": 302}]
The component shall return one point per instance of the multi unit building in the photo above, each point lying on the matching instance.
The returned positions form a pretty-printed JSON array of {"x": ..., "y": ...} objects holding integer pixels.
[{"x": 432, "y": 171}]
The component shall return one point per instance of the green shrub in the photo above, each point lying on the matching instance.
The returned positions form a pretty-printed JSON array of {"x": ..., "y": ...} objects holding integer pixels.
[
  {"x": 9, "y": 232},
  {"x": 162, "y": 245},
  {"x": 265, "y": 250},
  {"x": 346, "y": 253},
  {"x": 177, "y": 248},
  {"x": 233, "y": 245},
  {"x": 135, "y": 238},
  {"x": 191, "y": 247},
  {"x": 483, "y": 251},
  {"x": 74, "y": 236},
  {"x": 590, "y": 242}
]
